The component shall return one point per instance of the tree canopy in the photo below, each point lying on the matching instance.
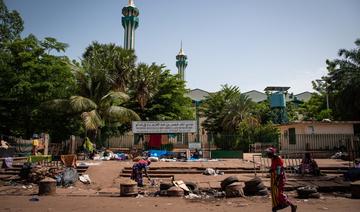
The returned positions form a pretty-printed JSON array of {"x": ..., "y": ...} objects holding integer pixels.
[
  {"x": 29, "y": 76},
  {"x": 342, "y": 84}
]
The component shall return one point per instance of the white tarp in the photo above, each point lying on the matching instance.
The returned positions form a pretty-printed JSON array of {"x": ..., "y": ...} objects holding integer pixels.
[{"x": 145, "y": 127}]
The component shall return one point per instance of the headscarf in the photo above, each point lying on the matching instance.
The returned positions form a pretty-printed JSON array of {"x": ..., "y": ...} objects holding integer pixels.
[{"x": 270, "y": 150}]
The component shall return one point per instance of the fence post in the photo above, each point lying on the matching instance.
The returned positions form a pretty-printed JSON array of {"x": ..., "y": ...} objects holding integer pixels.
[
  {"x": 72, "y": 145},
  {"x": 46, "y": 144}
]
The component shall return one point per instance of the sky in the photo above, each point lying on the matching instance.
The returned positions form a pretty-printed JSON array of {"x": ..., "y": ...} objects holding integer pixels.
[{"x": 246, "y": 43}]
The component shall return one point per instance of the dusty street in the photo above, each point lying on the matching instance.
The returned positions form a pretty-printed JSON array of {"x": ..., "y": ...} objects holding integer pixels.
[
  {"x": 103, "y": 193},
  {"x": 111, "y": 204}
]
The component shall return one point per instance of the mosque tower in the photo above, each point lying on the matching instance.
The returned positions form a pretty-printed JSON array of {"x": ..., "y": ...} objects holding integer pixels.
[
  {"x": 130, "y": 22},
  {"x": 181, "y": 63}
]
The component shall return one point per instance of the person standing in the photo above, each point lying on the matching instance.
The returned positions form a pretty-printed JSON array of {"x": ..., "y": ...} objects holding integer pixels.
[
  {"x": 137, "y": 171},
  {"x": 277, "y": 173},
  {"x": 35, "y": 144}
]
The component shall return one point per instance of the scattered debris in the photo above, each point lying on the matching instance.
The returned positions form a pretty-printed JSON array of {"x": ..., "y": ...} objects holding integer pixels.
[
  {"x": 193, "y": 196},
  {"x": 213, "y": 172},
  {"x": 34, "y": 199},
  {"x": 85, "y": 179},
  {"x": 308, "y": 192}
]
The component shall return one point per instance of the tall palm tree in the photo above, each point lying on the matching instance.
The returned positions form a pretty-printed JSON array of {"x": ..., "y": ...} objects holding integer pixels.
[
  {"x": 145, "y": 82},
  {"x": 237, "y": 110},
  {"x": 99, "y": 101},
  {"x": 95, "y": 115},
  {"x": 113, "y": 64}
]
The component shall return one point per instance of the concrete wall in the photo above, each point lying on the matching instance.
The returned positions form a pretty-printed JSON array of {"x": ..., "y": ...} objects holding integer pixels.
[{"x": 319, "y": 128}]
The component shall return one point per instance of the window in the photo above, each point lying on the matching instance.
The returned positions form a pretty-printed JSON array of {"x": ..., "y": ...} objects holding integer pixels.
[{"x": 292, "y": 136}]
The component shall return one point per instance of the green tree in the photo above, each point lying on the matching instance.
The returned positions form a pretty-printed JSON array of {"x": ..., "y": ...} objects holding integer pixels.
[
  {"x": 315, "y": 108},
  {"x": 236, "y": 110},
  {"x": 112, "y": 66},
  {"x": 11, "y": 24},
  {"x": 263, "y": 112},
  {"x": 169, "y": 101},
  {"x": 99, "y": 102},
  {"x": 145, "y": 83},
  {"x": 29, "y": 76},
  {"x": 212, "y": 108},
  {"x": 235, "y": 121},
  {"x": 343, "y": 83}
]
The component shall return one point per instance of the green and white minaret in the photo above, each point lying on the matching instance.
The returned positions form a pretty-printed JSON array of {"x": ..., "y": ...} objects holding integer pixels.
[
  {"x": 130, "y": 22},
  {"x": 181, "y": 63}
]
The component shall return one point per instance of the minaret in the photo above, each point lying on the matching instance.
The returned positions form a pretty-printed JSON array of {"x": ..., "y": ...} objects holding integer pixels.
[
  {"x": 130, "y": 22},
  {"x": 181, "y": 63}
]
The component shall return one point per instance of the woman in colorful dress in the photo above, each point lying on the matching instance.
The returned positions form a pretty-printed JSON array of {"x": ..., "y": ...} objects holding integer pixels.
[
  {"x": 278, "y": 197},
  {"x": 137, "y": 171}
]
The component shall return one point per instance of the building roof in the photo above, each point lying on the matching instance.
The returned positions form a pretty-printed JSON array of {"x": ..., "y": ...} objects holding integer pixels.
[
  {"x": 197, "y": 94},
  {"x": 319, "y": 122},
  {"x": 256, "y": 96},
  {"x": 304, "y": 96},
  {"x": 276, "y": 88}
]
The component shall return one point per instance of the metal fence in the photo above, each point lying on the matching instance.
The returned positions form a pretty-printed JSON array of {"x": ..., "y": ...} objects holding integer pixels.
[
  {"x": 307, "y": 142},
  {"x": 320, "y": 145}
]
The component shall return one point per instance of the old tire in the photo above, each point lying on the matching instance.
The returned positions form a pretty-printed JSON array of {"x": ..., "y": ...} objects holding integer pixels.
[
  {"x": 253, "y": 182},
  {"x": 304, "y": 192},
  {"x": 175, "y": 192},
  {"x": 250, "y": 191},
  {"x": 234, "y": 190},
  {"x": 193, "y": 187},
  {"x": 260, "y": 186},
  {"x": 165, "y": 186},
  {"x": 227, "y": 181},
  {"x": 315, "y": 195},
  {"x": 263, "y": 192}
]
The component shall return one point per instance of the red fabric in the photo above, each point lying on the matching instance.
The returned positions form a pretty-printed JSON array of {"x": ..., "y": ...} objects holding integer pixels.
[
  {"x": 155, "y": 141},
  {"x": 277, "y": 161}
]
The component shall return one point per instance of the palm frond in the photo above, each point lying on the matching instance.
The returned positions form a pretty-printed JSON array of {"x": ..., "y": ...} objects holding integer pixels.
[
  {"x": 114, "y": 98},
  {"x": 57, "y": 105},
  {"x": 81, "y": 104},
  {"x": 91, "y": 120},
  {"x": 120, "y": 114}
]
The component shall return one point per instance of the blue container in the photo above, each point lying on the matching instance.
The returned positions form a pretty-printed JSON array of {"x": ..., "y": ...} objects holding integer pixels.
[{"x": 277, "y": 100}]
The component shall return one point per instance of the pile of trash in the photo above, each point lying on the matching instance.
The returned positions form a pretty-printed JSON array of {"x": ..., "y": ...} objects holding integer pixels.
[
  {"x": 110, "y": 155},
  {"x": 35, "y": 173},
  {"x": 64, "y": 176}
]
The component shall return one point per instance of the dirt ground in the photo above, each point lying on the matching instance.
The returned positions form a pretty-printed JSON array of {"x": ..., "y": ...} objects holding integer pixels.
[
  {"x": 103, "y": 194},
  {"x": 104, "y": 204}
]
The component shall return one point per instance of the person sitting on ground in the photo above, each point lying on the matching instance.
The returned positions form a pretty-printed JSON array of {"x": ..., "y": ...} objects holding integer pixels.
[
  {"x": 196, "y": 154},
  {"x": 309, "y": 166},
  {"x": 137, "y": 171},
  {"x": 353, "y": 174}
]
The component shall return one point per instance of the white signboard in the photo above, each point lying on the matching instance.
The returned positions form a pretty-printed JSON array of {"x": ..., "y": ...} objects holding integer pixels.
[
  {"x": 196, "y": 145},
  {"x": 146, "y": 127}
]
